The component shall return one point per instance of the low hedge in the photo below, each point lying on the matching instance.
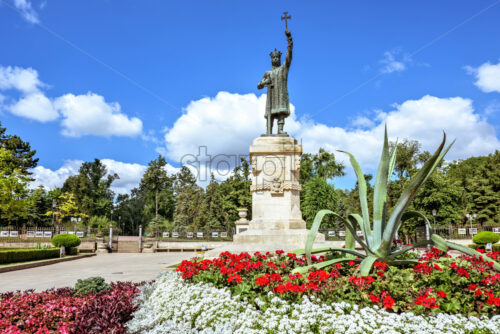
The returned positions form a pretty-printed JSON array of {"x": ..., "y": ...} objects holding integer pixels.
[
  {"x": 494, "y": 247},
  {"x": 27, "y": 254},
  {"x": 72, "y": 251}
]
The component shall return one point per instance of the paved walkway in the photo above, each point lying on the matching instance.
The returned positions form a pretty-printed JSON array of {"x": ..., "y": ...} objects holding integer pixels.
[{"x": 113, "y": 267}]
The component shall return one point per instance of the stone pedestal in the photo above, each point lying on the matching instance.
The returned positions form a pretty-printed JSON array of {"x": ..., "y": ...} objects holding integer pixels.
[{"x": 276, "y": 216}]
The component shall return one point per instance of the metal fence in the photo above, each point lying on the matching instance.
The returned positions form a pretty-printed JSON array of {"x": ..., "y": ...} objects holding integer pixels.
[
  {"x": 451, "y": 232},
  {"x": 192, "y": 235},
  {"x": 44, "y": 234},
  {"x": 455, "y": 232}
]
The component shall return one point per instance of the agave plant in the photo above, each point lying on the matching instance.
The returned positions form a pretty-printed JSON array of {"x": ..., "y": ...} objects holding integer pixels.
[{"x": 379, "y": 233}]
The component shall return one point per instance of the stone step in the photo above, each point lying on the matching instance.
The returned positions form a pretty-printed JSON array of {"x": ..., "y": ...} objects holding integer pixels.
[{"x": 128, "y": 246}]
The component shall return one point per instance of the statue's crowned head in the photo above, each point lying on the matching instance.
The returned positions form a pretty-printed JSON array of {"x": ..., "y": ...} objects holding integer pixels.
[{"x": 275, "y": 58}]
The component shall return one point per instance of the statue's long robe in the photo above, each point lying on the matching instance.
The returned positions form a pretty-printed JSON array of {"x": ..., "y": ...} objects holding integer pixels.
[{"x": 277, "y": 93}]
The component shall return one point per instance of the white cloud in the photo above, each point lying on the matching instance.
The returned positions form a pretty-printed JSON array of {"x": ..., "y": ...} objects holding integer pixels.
[
  {"x": 422, "y": 120},
  {"x": 32, "y": 103},
  {"x": 51, "y": 179},
  {"x": 391, "y": 64},
  {"x": 228, "y": 123},
  {"x": 225, "y": 124},
  {"x": 86, "y": 114},
  {"x": 21, "y": 79},
  {"x": 488, "y": 77},
  {"x": 130, "y": 174},
  {"x": 362, "y": 122},
  {"x": 90, "y": 114},
  {"x": 27, "y": 10},
  {"x": 492, "y": 108},
  {"x": 34, "y": 106}
]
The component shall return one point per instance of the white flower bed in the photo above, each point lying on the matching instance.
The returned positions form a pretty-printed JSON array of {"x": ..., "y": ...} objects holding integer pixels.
[{"x": 173, "y": 306}]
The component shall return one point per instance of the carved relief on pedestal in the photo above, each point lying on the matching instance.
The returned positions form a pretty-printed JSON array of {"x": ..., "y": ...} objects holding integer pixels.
[{"x": 276, "y": 187}]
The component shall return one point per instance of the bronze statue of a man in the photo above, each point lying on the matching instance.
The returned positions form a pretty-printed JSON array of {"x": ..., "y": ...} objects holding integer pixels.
[{"x": 276, "y": 79}]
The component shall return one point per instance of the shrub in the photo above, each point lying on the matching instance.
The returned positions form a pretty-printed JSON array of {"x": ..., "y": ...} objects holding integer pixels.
[
  {"x": 100, "y": 223},
  {"x": 66, "y": 240},
  {"x": 91, "y": 284},
  {"x": 40, "y": 246},
  {"x": 494, "y": 248},
  {"x": 26, "y": 254},
  {"x": 72, "y": 251},
  {"x": 486, "y": 237}
]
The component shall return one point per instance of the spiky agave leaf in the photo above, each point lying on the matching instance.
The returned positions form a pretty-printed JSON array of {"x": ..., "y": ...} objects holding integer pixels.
[
  {"x": 366, "y": 265},
  {"x": 408, "y": 194},
  {"x": 365, "y": 227},
  {"x": 314, "y": 231},
  {"x": 350, "y": 242},
  {"x": 380, "y": 191},
  {"x": 315, "y": 227},
  {"x": 392, "y": 162}
]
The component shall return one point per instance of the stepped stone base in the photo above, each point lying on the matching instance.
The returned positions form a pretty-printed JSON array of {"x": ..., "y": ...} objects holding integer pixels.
[
  {"x": 267, "y": 247},
  {"x": 296, "y": 237}
]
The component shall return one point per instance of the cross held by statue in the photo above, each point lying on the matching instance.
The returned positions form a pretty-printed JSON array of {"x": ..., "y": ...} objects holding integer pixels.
[{"x": 285, "y": 17}]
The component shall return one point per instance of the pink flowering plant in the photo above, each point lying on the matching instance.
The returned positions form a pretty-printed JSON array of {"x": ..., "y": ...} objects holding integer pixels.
[{"x": 65, "y": 311}]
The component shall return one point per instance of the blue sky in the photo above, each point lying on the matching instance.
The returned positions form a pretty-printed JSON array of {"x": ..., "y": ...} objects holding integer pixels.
[{"x": 152, "y": 71}]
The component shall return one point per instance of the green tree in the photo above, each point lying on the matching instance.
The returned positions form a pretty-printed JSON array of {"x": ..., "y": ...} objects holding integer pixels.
[
  {"x": 131, "y": 210},
  {"x": 440, "y": 194},
  {"x": 236, "y": 192},
  {"x": 321, "y": 165},
  {"x": 478, "y": 178},
  {"x": 38, "y": 204},
  {"x": 408, "y": 157},
  {"x": 13, "y": 188},
  {"x": 157, "y": 183},
  {"x": 22, "y": 157},
  {"x": 318, "y": 195},
  {"x": 215, "y": 216},
  {"x": 66, "y": 209},
  {"x": 92, "y": 188},
  {"x": 188, "y": 201},
  {"x": 326, "y": 166},
  {"x": 100, "y": 223},
  {"x": 484, "y": 193}
]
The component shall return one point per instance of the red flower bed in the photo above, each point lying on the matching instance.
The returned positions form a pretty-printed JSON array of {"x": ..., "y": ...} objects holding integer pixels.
[
  {"x": 436, "y": 283},
  {"x": 63, "y": 311}
]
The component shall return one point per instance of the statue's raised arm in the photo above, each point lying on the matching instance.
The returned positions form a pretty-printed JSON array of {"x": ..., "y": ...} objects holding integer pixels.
[{"x": 288, "y": 59}]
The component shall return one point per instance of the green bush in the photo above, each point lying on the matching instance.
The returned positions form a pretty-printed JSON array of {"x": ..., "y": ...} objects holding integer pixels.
[
  {"x": 91, "y": 284},
  {"x": 408, "y": 256},
  {"x": 494, "y": 247},
  {"x": 66, "y": 240},
  {"x": 486, "y": 237},
  {"x": 72, "y": 251},
  {"x": 26, "y": 254}
]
